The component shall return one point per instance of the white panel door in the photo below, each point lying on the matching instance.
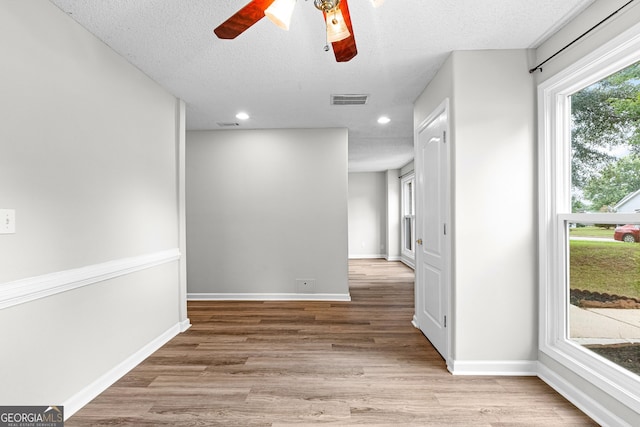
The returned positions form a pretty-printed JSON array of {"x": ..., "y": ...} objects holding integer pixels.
[{"x": 432, "y": 249}]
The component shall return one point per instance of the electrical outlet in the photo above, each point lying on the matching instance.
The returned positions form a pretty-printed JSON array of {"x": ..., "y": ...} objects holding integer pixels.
[
  {"x": 7, "y": 221},
  {"x": 306, "y": 286}
]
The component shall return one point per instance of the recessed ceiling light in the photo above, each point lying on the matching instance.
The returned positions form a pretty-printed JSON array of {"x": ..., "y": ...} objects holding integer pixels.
[
  {"x": 242, "y": 116},
  {"x": 383, "y": 120}
]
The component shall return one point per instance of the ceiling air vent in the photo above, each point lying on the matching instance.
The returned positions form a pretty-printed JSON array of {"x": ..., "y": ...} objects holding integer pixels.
[
  {"x": 228, "y": 124},
  {"x": 349, "y": 99}
]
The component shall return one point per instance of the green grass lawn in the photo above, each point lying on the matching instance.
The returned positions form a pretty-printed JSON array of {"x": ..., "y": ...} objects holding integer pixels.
[
  {"x": 591, "y": 231},
  {"x": 605, "y": 267}
]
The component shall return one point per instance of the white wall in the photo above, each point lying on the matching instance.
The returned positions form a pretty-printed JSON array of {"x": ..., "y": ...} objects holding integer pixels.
[
  {"x": 264, "y": 208},
  {"x": 439, "y": 89},
  {"x": 88, "y": 161},
  {"x": 367, "y": 214},
  {"x": 392, "y": 223},
  {"x": 495, "y": 207},
  {"x": 374, "y": 215},
  {"x": 493, "y": 160}
]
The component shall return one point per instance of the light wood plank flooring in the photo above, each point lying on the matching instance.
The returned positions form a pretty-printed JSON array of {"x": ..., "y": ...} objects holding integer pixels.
[{"x": 302, "y": 363}]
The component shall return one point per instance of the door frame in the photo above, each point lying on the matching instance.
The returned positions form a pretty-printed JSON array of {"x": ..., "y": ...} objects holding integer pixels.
[{"x": 443, "y": 107}]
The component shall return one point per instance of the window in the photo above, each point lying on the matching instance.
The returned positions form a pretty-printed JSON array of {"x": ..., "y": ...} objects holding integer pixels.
[
  {"x": 408, "y": 216},
  {"x": 583, "y": 182}
]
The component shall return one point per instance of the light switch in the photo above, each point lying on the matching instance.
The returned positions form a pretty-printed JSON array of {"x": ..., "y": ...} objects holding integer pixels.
[{"x": 7, "y": 221}]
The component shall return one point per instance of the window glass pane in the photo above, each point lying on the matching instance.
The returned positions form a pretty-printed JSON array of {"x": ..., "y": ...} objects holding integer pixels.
[
  {"x": 604, "y": 259},
  {"x": 408, "y": 233},
  {"x": 604, "y": 276},
  {"x": 410, "y": 198},
  {"x": 408, "y": 216},
  {"x": 605, "y": 144}
]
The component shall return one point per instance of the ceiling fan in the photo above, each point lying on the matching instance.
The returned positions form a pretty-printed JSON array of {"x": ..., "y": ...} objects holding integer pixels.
[{"x": 335, "y": 13}]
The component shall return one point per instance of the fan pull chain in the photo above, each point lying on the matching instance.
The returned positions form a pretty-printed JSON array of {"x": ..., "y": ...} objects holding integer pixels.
[{"x": 326, "y": 38}]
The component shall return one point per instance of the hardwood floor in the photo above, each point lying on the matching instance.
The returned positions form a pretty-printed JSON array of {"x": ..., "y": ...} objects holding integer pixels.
[{"x": 332, "y": 363}]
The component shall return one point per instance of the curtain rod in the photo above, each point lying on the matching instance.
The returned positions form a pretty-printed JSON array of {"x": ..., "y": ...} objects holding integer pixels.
[{"x": 539, "y": 66}]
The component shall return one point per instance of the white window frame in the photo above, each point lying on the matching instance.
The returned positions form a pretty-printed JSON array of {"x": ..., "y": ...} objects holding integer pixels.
[
  {"x": 410, "y": 178},
  {"x": 554, "y": 112}
]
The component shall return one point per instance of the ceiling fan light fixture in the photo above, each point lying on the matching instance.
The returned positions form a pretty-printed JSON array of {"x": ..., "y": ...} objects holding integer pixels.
[
  {"x": 280, "y": 13},
  {"x": 326, "y": 5},
  {"x": 336, "y": 27}
]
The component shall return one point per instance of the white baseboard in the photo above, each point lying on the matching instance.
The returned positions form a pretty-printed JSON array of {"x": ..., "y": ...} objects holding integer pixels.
[
  {"x": 594, "y": 409},
  {"x": 495, "y": 367},
  {"x": 184, "y": 325},
  {"x": 408, "y": 262},
  {"x": 90, "y": 392},
  {"x": 267, "y": 297},
  {"x": 367, "y": 256},
  {"x": 32, "y": 288}
]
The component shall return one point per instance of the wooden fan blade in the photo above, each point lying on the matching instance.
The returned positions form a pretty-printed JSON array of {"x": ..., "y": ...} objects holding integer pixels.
[
  {"x": 242, "y": 19},
  {"x": 345, "y": 50}
]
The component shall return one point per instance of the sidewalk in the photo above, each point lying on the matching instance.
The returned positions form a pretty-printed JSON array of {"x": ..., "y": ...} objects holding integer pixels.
[{"x": 604, "y": 325}]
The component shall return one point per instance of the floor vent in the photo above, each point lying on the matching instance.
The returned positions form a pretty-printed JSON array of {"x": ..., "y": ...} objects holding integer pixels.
[
  {"x": 228, "y": 124},
  {"x": 349, "y": 99}
]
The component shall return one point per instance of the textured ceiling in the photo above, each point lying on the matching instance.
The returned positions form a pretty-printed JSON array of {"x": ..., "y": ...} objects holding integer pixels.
[{"x": 285, "y": 79}]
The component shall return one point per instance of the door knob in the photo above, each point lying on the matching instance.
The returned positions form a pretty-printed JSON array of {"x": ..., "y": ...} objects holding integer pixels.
[{"x": 419, "y": 241}]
